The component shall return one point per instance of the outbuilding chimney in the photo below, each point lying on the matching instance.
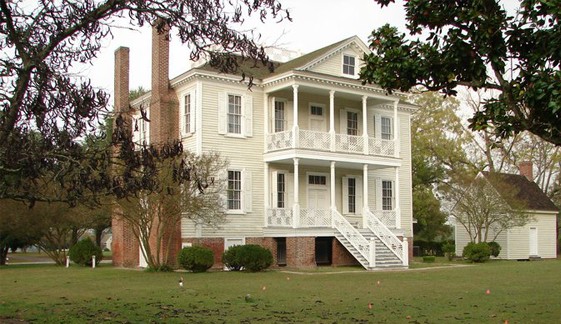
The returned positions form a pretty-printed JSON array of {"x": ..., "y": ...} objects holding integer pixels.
[{"x": 527, "y": 169}]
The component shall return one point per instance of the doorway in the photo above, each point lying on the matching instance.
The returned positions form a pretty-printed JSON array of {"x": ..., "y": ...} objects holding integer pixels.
[{"x": 324, "y": 250}]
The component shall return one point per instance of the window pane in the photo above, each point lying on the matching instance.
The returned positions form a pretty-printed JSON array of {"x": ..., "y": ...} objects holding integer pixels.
[
  {"x": 316, "y": 110},
  {"x": 352, "y": 123},
  {"x": 351, "y": 186},
  {"x": 234, "y": 190},
  {"x": 187, "y": 113},
  {"x": 281, "y": 188},
  {"x": 386, "y": 128},
  {"x": 387, "y": 195},
  {"x": 317, "y": 180},
  {"x": 348, "y": 65},
  {"x": 234, "y": 114},
  {"x": 279, "y": 116}
]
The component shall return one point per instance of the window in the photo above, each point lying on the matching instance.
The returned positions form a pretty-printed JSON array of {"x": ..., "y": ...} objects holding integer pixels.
[
  {"x": 352, "y": 123},
  {"x": 234, "y": 190},
  {"x": 348, "y": 65},
  {"x": 316, "y": 110},
  {"x": 386, "y": 128},
  {"x": 387, "y": 195},
  {"x": 281, "y": 190},
  {"x": 351, "y": 195},
  {"x": 317, "y": 180},
  {"x": 143, "y": 128},
  {"x": 187, "y": 114},
  {"x": 279, "y": 116},
  {"x": 234, "y": 114}
]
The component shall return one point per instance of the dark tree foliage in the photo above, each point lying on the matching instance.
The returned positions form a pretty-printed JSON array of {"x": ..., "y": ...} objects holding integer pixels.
[
  {"x": 45, "y": 112},
  {"x": 477, "y": 44}
]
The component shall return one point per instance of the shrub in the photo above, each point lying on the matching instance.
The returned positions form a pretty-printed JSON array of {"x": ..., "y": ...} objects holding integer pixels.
[
  {"x": 82, "y": 252},
  {"x": 429, "y": 259},
  {"x": 429, "y": 247},
  {"x": 449, "y": 250},
  {"x": 231, "y": 258},
  {"x": 248, "y": 257},
  {"x": 196, "y": 258},
  {"x": 495, "y": 248},
  {"x": 477, "y": 252}
]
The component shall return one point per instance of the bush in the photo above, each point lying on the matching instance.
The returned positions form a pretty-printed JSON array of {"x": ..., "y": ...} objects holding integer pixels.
[
  {"x": 429, "y": 247},
  {"x": 196, "y": 258},
  {"x": 231, "y": 258},
  {"x": 477, "y": 252},
  {"x": 495, "y": 248},
  {"x": 449, "y": 250},
  {"x": 249, "y": 257},
  {"x": 82, "y": 252},
  {"x": 429, "y": 259}
]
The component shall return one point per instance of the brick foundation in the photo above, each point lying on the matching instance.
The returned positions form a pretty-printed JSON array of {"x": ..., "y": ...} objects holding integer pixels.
[
  {"x": 341, "y": 256},
  {"x": 300, "y": 252}
]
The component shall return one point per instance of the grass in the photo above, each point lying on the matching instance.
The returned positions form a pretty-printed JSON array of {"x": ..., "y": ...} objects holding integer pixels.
[{"x": 520, "y": 292}]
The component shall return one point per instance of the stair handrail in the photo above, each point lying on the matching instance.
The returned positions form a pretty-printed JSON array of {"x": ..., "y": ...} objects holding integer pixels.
[
  {"x": 386, "y": 236},
  {"x": 353, "y": 236}
]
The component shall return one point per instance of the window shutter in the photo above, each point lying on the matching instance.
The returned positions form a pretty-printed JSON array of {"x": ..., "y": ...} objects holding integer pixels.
[
  {"x": 223, "y": 180},
  {"x": 377, "y": 126},
  {"x": 247, "y": 193},
  {"x": 378, "y": 194},
  {"x": 222, "y": 113},
  {"x": 343, "y": 121},
  {"x": 359, "y": 201},
  {"x": 248, "y": 115},
  {"x": 193, "y": 112},
  {"x": 289, "y": 177},
  {"x": 288, "y": 114},
  {"x": 274, "y": 201},
  {"x": 345, "y": 199}
]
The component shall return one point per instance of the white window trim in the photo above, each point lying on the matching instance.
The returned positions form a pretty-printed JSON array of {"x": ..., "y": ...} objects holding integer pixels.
[
  {"x": 379, "y": 193},
  {"x": 378, "y": 126},
  {"x": 358, "y": 195},
  {"x": 286, "y": 112},
  {"x": 192, "y": 113},
  {"x": 246, "y": 122},
  {"x": 343, "y": 122},
  {"x": 137, "y": 135},
  {"x": 246, "y": 202},
  {"x": 355, "y": 74}
]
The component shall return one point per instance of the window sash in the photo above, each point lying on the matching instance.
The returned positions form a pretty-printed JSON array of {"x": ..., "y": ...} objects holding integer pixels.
[
  {"x": 348, "y": 65},
  {"x": 352, "y": 123},
  {"x": 351, "y": 195},
  {"x": 281, "y": 190},
  {"x": 386, "y": 128},
  {"x": 317, "y": 180},
  {"x": 387, "y": 195},
  {"x": 234, "y": 114},
  {"x": 316, "y": 110},
  {"x": 234, "y": 190},
  {"x": 279, "y": 116}
]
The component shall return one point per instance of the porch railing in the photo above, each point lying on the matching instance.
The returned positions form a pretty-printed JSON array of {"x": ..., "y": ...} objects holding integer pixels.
[
  {"x": 399, "y": 248},
  {"x": 280, "y": 217},
  {"x": 387, "y": 217},
  {"x": 324, "y": 141},
  {"x": 315, "y": 217}
]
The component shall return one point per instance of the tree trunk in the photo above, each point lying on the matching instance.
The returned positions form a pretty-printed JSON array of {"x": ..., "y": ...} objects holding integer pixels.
[{"x": 3, "y": 254}]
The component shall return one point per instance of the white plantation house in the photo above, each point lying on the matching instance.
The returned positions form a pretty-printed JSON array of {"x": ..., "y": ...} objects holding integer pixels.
[{"x": 319, "y": 164}]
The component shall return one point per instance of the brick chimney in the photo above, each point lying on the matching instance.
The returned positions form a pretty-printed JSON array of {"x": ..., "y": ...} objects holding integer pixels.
[
  {"x": 124, "y": 244},
  {"x": 527, "y": 169},
  {"x": 164, "y": 107}
]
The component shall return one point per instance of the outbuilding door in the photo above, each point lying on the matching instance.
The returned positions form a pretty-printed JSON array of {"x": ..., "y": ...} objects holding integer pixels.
[{"x": 533, "y": 241}]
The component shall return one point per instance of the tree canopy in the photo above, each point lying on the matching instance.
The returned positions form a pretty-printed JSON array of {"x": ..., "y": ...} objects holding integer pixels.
[
  {"x": 479, "y": 45},
  {"x": 46, "y": 112}
]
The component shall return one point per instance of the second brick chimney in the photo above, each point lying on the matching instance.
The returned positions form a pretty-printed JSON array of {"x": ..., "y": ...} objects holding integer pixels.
[{"x": 527, "y": 169}]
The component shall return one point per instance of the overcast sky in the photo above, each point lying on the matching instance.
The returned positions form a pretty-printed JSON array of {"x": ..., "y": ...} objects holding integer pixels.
[{"x": 316, "y": 23}]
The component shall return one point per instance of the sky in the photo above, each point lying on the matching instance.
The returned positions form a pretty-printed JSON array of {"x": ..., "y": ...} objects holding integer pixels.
[{"x": 315, "y": 24}]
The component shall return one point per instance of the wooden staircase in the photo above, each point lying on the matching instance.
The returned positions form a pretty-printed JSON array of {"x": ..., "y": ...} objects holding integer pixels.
[{"x": 385, "y": 258}]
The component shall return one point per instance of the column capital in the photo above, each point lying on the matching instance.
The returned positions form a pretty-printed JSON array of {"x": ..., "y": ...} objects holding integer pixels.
[
  {"x": 364, "y": 98},
  {"x": 295, "y": 86},
  {"x": 331, "y": 92},
  {"x": 296, "y": 160}
]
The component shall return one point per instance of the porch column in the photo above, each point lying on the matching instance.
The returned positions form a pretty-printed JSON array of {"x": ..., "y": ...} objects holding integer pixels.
[
  {"x": 333, "y": 206},
  {"x": 295, "y": 116},
  {"x": 332, "y": 120},
  {"x": 397, "y": 202},
  {"x": 395, "y": 126},
  {"x": 266, "y": 117},
  {"x": 266, "y": 192},
  {"x": 365, "y": 125},
  {"x": 296, "y": 206},
  {"x": 365, "y": 208}
]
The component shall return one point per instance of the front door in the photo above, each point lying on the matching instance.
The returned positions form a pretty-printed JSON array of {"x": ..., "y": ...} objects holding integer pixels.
[
  {"x": 533, "y": 241},
  {"x": 317, "y": 213}
]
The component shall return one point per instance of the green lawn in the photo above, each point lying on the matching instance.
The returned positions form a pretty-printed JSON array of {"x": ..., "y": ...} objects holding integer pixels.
[{"x": 520, "y": 292}]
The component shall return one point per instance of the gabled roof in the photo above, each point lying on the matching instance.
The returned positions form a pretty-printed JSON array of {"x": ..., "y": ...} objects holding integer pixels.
[
  {"x": 259, "y": 71},
  {"x": 527, "y": 192}
]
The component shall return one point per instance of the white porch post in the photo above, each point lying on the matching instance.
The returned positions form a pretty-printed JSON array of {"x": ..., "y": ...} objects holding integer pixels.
[
  {"x": 295, "y": 127},
  {"x": 296, "y": 206},
  {"x": 332, "y": 192},
  {"x": 365, "y": 125},
  {"x": 397, "y": 201},
  {"x": 365, "y": 208},
  {"x": 266, "y": 117},
  {"x": 332, "y": 120},
  {"x": 395, "y": 126},
  {"x": 266, "y": 192}
]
